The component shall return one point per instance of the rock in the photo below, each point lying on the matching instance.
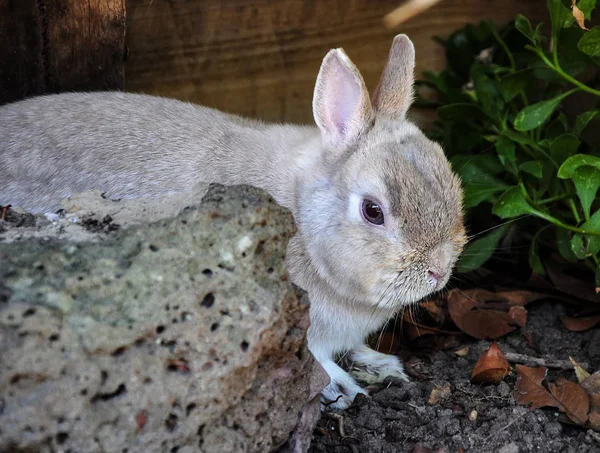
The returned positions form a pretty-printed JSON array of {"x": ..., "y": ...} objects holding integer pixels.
[{"x": 180, "y": 335}]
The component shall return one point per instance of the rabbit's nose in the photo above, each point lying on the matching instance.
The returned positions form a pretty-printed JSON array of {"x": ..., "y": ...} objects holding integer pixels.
[
  {"x": 440, "y": 260},
  {"x": 435, "y": 276}
]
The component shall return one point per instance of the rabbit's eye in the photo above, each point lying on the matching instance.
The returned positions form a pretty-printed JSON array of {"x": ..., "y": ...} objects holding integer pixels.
[{"x": 372, "y": 212}]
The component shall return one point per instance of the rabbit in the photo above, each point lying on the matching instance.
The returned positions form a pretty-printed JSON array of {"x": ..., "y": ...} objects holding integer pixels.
[{"x": 377, "y": 205}]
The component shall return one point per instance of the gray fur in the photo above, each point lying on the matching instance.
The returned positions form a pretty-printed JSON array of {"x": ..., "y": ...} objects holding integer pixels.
[{"x": 357, "y": 274}]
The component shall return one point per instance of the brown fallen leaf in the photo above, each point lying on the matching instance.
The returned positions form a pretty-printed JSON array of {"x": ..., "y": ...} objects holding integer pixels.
[
  {"x": 569, "y": 284},
  {"x": 412, "y": 329},
  {"x": 487, "y": 315},
  {"x": 573, "y": 399},
  {"x": 568, "y": 397},
  {"x": 433, "y": 309},
  {"x": 594, "y": 420},
  {"x": 529, "y": 390},
  {"x": 491, "y": 367},
  {"x": 387, "y": 342},
  {"x": 578, "y": 15},
  {"x": 592, "y": 386},
  {"x": 518, "y": 315},
  {"x": 580, "y": 324}
]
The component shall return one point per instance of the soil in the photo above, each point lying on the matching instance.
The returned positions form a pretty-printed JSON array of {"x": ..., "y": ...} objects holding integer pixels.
[{"x": 398, "y": 417}]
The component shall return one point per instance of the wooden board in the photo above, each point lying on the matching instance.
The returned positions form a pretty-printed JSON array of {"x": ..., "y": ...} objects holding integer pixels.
[
  {"x": 49, "y": 46},
  {"x": 260, "y": 58}
]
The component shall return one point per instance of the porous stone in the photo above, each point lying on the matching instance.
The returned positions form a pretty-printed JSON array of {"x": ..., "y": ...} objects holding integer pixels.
[{"x": 180, "y": 335}]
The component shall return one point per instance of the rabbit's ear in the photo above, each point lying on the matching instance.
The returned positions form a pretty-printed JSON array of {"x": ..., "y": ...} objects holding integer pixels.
[
  {"x": 394, "y": 93},
  {"x": 341, "y": 105}
]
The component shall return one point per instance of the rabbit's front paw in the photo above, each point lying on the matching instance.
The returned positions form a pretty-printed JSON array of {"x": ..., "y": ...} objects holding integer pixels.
[
  {"x": 371, "y": 366},
  {"x": 342, "y": 388}
]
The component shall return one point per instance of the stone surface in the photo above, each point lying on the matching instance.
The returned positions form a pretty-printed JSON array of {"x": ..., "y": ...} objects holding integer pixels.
[{"x": 179, "y": 335}]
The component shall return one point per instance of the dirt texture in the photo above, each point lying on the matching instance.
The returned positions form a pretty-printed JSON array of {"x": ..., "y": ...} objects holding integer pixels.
[
  {"x": 177, "y": 335},
  {"x": 404, "y": 417}
]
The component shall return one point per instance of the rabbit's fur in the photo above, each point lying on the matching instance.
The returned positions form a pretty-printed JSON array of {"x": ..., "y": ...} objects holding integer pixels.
[{"x": 357, "y": 274}]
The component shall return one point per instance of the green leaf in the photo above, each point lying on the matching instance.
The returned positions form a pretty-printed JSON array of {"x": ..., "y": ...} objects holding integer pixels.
[
  {"x": 556, "y": 127},
  {"x": 534, "y": 258},
  {"x": 488, "y": 93},
  {"x": 563, "y": 147},
  {"x": 512, "y": 203},
  {"x": 585, "y": 246},
  {"x": 563, "y": 243},
  {"x": 535, "y": 115},
  {"x": 586, "y": 7},
  {"x": 559, "y": 15},
  {"x": 518, "y": 137},
  {"x": 512, "y": 85},
  {"x": 590, "y": 42},
  {"x": 582, "y": 121},
  {"x": 548, "y": 177},
  {"x": 477, "y": 174},
  {"x": 587, "y": 182},
  {"x": 567, "y": 169},
  {"x": 524, "y": 26},
  {"x": 533, "y": 167},
  {"x": 597, "y": 278},
  {"x": 460, "y": 112},
  {"x": 506, "y": 153},
  {"x": 480, "y": 250},
  {"x": 572, "y": 60}
]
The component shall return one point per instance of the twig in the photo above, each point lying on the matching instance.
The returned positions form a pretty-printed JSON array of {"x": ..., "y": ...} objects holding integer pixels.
[
  {"x": 340, "y": 419},
  {"x": 513, "y": 357},
  {"x": 410, "y": 9}
]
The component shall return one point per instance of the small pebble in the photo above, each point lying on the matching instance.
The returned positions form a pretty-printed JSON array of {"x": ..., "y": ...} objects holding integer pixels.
[{"x": 473, "y": 415}]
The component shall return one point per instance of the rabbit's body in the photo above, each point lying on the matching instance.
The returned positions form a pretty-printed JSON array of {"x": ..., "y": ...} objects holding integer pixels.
[
  {"x": 377, "y": 206},
  {"x": 134, "y": 145}
]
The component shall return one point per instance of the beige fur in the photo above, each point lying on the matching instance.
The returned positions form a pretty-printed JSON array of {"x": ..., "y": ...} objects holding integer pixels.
[{"x": 357, "y": 274}]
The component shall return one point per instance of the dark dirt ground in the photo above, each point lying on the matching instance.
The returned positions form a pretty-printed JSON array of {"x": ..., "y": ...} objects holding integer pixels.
[{"x": 398, "y": 418}]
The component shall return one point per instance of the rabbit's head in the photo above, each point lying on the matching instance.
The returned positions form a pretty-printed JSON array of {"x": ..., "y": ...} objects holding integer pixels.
[{"x": 379, "y": 209}]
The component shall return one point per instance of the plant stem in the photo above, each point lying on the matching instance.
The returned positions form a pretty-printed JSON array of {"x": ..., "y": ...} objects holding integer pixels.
[
  {"x": 552, "y": 199},
  {"x": 566, "y": 76},
  {"x": 571, "y": 204},
  {"x": 506, "y": 50},
  {"x": 558, "y": 223}
]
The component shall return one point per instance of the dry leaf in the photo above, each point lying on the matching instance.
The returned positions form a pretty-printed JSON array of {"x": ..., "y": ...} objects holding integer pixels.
[
  {"x": 580, "y": 324},
  {"x": 439, "y": 393},
  {"x": 573, "y": 399},
  {"x": 529, "y": 389},
  {"x": 570, "y": 285},
  {"x": 491, "y": 367},
  {"x": 592, "y": 387},
  {"x": 462, "y": 352},
  {"x": 387, "y": 342},
  {"x": 594, "y": 420},
  {"x": 578, "y": 15},
  {"x": 581, "y": 374},
  {"x": 434, "y": 310},
  {"x": 569, "y": 397},
  {"x": 518, "y": 315},
  {"x": 411, "y": 329},
  {"x": 487, "y": 315}
]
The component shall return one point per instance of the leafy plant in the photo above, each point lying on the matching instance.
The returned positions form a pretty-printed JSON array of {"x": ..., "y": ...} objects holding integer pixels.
[{"x": 529, "y": 168}]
